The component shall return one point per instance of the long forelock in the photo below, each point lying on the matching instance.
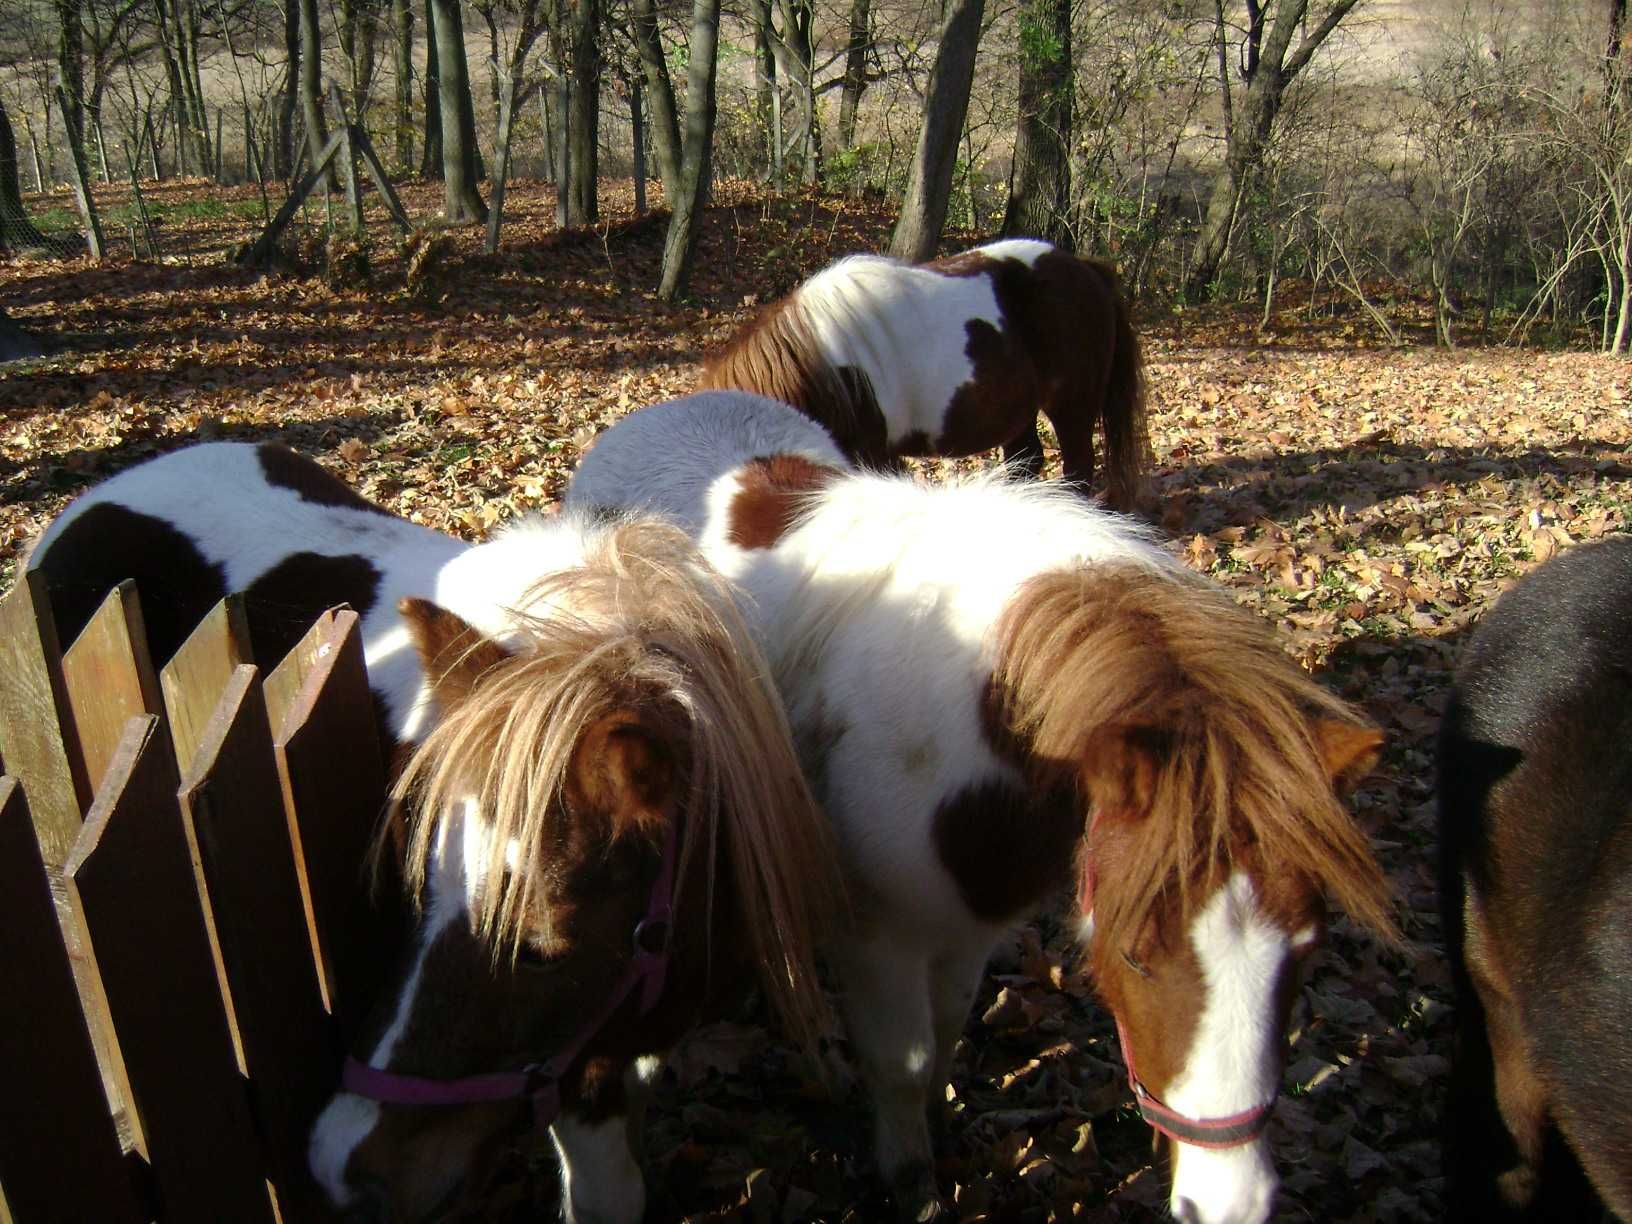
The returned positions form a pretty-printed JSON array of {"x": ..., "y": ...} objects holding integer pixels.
[
  {"x": 1093, "y": 650},
  {"x": 646, "y": 624}
]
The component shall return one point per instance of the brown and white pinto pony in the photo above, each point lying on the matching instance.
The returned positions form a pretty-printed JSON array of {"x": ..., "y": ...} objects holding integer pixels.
[
  {"x": 956, "y": 357},
  {"x": 608, "y": 828},
  {"x": 998, "y": 688}
]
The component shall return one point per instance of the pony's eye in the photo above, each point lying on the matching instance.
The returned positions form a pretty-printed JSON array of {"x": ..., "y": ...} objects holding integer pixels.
[
  {"x": 1136, "y": 965},
  {"x": 529, "y": 957}
]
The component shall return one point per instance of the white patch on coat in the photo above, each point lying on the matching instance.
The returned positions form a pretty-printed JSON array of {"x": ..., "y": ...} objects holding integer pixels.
[
  {"x": 1026, "y": 250},
  {"x": 1235, "y": 1058},
  {"x": 349, "y": 1119},
  {"x": 600, "y": 1181},
  {"x": 669, "y": 458}
]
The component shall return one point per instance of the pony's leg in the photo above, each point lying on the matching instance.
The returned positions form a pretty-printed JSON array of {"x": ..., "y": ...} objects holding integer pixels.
[
  {"x": 886, "y": 998},
  {"x": 601, "y": 1181},
  {"x": 1075, "y": 433},
  {"x": 954, "y": 978},
  {"x": 1025, "y": 450}
]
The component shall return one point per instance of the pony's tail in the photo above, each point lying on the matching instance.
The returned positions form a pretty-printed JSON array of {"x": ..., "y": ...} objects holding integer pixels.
[{"x": 1127, "y": 436}]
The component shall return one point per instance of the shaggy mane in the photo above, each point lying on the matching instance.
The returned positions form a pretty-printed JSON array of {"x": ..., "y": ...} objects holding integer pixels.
[
  {"x": 776, "y": 355},
  {"x": 1092, "y": 650},
  {"x": 644, "y": 623}
]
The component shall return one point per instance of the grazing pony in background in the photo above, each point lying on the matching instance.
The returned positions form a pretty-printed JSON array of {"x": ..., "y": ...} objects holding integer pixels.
[
  {"x": 607, "y": 825},
  {"x": 998, "y": 688},
  {"x": 1535, "y": 811},
  {"x": 956, "y": 357}
]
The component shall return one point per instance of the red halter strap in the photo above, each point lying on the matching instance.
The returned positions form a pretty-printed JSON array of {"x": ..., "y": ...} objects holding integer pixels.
[
  {"x": 647, "y": 972},
  {"x": 1233, "y": 1131}
]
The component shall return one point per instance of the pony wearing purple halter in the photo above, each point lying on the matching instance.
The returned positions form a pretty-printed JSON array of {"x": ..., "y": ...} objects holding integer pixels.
[
  {"x": 608, "y": 832},
  {"x": 999, "y": 689},
  {"x": 956, "y": 357}
]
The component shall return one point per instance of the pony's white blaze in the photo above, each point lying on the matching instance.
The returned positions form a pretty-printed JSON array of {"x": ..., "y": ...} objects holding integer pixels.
[
  {"x": 348, "y": 1119},
  {"x": 1234, "y": 1061},
  {"x": 600, "y": 1181}
]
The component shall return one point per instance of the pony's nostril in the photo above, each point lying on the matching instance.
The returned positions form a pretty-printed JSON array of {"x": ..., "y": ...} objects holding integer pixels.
[{"x": 1184, "y": 1211}]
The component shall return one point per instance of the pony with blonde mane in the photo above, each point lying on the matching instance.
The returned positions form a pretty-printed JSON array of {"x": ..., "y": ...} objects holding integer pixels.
[
  {"x": 998, "y": 689},
  {"x": 608, "y": 833},
  {"x": 956, "y": 357}
]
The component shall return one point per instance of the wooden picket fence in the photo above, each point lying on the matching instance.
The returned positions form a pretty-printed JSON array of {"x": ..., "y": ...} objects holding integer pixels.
[{"x": 185, "y": 927}]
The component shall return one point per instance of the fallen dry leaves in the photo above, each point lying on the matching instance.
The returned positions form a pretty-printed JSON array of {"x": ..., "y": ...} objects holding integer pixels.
[{"x": 1371, "y": 501}]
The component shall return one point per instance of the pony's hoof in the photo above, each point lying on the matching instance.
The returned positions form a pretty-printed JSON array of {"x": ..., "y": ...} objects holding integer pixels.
[{"x": 917, "y": 1198}]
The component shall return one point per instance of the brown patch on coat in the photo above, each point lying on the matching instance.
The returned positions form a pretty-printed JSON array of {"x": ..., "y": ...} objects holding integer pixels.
[
  {"x": 1067, "y": 349},
  {"x": 771, "y": 492},
  {"x": 110, "y": 543},
  {"x": 283, "y": 602},
  {"x": 1005, "y": 846},
  {"x": 285, "y": 469}
]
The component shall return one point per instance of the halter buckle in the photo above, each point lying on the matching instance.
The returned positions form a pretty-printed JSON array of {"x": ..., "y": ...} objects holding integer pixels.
[{"x": 652, "y": 934}]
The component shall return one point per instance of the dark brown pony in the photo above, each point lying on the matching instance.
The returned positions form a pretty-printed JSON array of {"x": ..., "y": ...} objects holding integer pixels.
[
  {"x": 956, "y": 357},
  {"x": 1535, "y": 807}
]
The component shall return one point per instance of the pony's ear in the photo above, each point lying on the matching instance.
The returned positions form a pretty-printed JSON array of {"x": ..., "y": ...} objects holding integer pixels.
[
  {"x": 453, "y": 654},
  {"x": 1349, "y": 751},
  {"x": 1120, "y": 767},
  {"x": 624, "y": 770}
]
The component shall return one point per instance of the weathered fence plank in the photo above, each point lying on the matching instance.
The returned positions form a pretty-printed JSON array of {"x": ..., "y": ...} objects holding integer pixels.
[
  {"x": 109, "y": 678},
  {"x": 60, "y": 1157},
  {"x": 194, "y": 679},
  {"x": 36, "y": 723},
  {"x": 241, "y": 840},
  {"x": 131, "y": 881},
  {"x": 333, "y": 777},
  {"x": 283, "y": 683}
]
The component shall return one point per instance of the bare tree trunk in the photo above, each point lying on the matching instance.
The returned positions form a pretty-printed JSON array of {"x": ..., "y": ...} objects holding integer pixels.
[
  {"x": 430, "y": 165},
  {"x": 564, "y": 169},
  {"x": 81, "y": 181},
  {"x": 1269, "y": 72},
  {"x": 71, "y": 65},
  {"x": 311, "y": 87},
  {"x": 284, "y": 153},
  {"x": 767, "y": 100},
  {"x": 16, "y": 230},
  {"x": 461, "y": 201},
  {"x": 855, "y": 70},
  {"x": 637, "y": 138},
  {"x": 686, "y": 219},
  {"x": 929, "y": 182},
  {"x": 795, "y": 49},
  {"x": 1040, "y": 186},
  {"x": 584, "y": 50},
  {"x": 402, "y": 23},
  {"x": 355, "y": 27},
  {"x": 665, "y": 126}
]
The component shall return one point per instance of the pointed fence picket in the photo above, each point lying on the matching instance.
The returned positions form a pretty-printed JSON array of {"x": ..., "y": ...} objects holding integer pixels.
[{"x": 184, "y": 911}]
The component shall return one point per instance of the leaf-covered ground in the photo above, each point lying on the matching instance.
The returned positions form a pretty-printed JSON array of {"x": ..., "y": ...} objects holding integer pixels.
[{"x": 1371, "y": 501}]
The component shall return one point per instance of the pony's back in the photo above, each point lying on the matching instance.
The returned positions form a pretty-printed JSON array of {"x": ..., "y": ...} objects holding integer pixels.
[
  {"x": 667, "y": 457},
  {"x": 1535, "y": 795}
]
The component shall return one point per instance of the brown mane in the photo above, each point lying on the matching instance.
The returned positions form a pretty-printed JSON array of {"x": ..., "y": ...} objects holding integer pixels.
[
  {"x": 1096, "y": 658},
  {"x": 643, "y": 624},
  {"x": 776, "y": 355}
]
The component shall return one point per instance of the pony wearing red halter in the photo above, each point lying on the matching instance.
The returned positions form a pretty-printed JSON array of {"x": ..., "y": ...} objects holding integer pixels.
[
  {"x": 608, "y": 832},
  {"x": 998, "y": 688},
  {"x": 1535, "y": 811},
  {"x": 956, "y": 357}
]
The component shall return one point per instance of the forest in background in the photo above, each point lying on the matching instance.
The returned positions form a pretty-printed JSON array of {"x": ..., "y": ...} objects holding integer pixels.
[{"x": 1467, "y": 153}]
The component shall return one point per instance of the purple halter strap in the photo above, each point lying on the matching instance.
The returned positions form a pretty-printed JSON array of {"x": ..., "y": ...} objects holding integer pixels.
[
  {"x": 1233, "y": 1131},
  {"x": 647, "y": 972}
]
